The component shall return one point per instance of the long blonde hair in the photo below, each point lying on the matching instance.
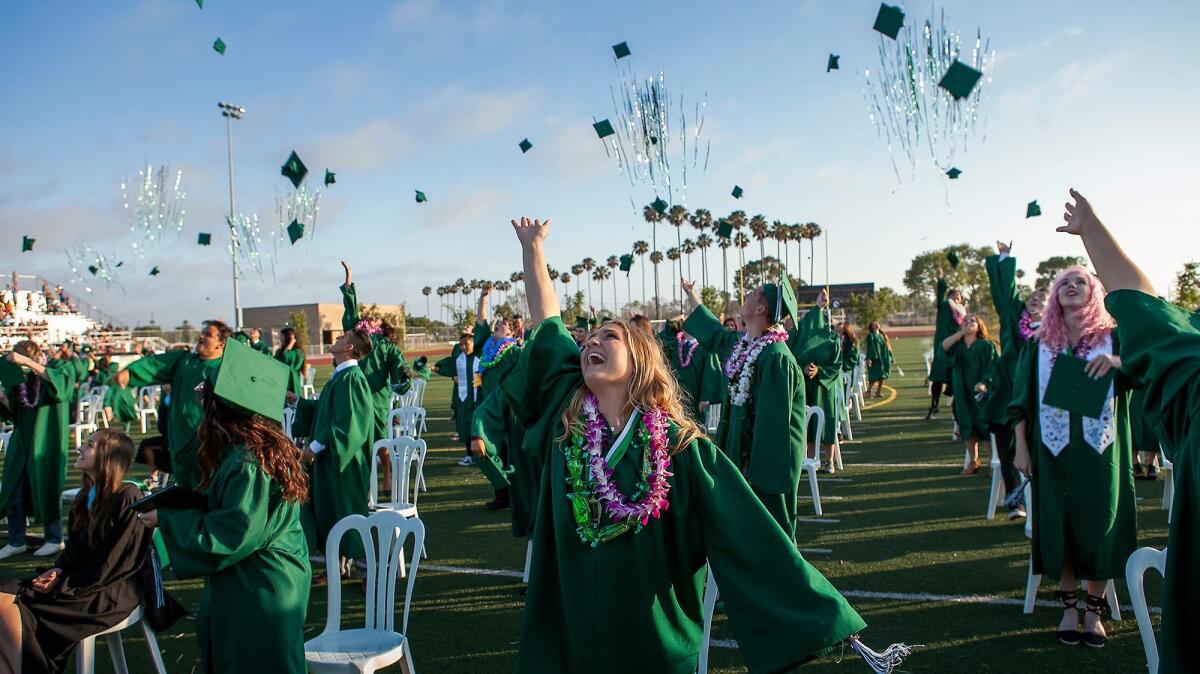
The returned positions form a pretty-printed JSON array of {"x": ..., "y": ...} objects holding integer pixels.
[{"x": 652, "y": 385}]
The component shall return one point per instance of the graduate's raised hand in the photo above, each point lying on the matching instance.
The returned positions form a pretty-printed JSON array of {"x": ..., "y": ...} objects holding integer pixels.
[
  {"x": 940, "y": 274},
  {"x": 822, "y": 299},
  {"x": 1003, "y": 248},
  {"x": 1079, "y": 215},
  {"x": 347, "y": 268},
  {"x": 486, "y": 289},
  {"x": 689, "y": 289},
  {"x": 530, "y": 232}
]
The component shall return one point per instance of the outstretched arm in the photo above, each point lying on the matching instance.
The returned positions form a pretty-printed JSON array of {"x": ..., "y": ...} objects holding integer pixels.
[
  {"x": 349, "y": 302},
  {"x": 1116, "y": 270},
  {"x": 543, "y": 303},
  {"x": 481, "y": 316}
]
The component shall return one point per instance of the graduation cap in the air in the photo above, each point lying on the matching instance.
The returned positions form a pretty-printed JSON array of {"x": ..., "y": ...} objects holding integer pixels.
[
  {"x": 421, "y": 362},
  {"x": 626, "y": 263},
  {"x": 1033, "y": 209},
  {"x": 200, "y": 4},
  {"x": 889, "y": 20},
  {"x": 954, "y": 173},
  {"x": 241, "y": 337},
  {"x": 27, "y": 244},
  {"x": 93, "y": 269},
  {"x": 833, "y": 63},
  {"x": 724, "y": 229},
  {"x": 330, "y": 177},
  {"x": 781, "y": 301},
  {"x": 953, "y": 258},
  {"x": 621, "y": 50},
  {"x": 603, "y": 128},
  {"x": 295, "y": 231},
  {"x": 294, "y": 170},
  {"x": 154, "y": 272},
  {"x": 421, "y": 198},
  {"x": 582, "y": 323},
  {"x": 959, "y": 79},
  {"x": 660, "y": 206},
  {"x": 737, "y": 192},
  {"x": 219, "y": 46},
  {"x": 204, "y": 238},
  {"x": 250, "y": 383},
  {"x": 525, "y": 146}
]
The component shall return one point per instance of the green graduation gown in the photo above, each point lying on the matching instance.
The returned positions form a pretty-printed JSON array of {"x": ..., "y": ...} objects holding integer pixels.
[
  {"x": 462, "y": 408},
  {"x": 183, "y": 370},
  {"x": 341, "y": 473},
  {"x": 294, "y": 359},
  {"x": 383, "y": 367},
  {"x": 120, "y": 400},
  {"x": 1002, "y": 278},
  {"x": 633, "y": 604},
  {"x": 261, "y": 347},
  {"x": 39, "y": 443},
  {"x": 249, "y": 548},
  {"x": 1083, "y": 500},
  {"x": 944, "y": 326},
  {"x": 968, "y": 367},
  {"x": 701, "y": 378},
  {"x": 765, "y": 437},
  {"x": 850, "y": 354},
  {"x": 879, "y": 354},
  {"x": 812, "y": 341},
  {"x": 1160, "y": 346},
  {"x": 516, "y": 468}
]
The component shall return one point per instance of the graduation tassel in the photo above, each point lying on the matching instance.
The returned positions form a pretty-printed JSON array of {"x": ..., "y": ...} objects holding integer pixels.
[{"x": 885, "y": 662}]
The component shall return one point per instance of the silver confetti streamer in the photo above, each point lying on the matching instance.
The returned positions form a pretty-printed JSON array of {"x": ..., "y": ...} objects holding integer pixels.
[{"x": 154, "y": 203}]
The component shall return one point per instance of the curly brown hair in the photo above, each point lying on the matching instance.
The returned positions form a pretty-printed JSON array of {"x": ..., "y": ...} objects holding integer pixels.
[{"x": 223, "y": 427}]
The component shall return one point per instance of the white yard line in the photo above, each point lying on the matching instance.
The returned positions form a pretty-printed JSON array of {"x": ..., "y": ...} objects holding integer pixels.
[{"x": 817, "y": 520}]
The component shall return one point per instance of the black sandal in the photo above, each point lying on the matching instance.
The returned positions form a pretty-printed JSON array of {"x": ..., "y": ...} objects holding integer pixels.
[
  {"x": 1070, "y": 600},
  {"x": 1095, "y": 605}
]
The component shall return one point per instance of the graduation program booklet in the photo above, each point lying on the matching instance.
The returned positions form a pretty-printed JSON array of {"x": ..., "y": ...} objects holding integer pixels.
[
  {"x": 1071, "y": 389},
  {"x": 174, "y": 496}
]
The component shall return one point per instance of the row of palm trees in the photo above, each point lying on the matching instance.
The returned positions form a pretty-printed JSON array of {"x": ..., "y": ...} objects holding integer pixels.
[{"x": 463, "y": 294}]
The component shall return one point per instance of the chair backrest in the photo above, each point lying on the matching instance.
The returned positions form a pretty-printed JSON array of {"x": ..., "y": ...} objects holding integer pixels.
[
  {"x": 289, "y": 416},
  {"x": 820, "y": 414},
  {"x": 1139, "y": 562},
  {"x": 406, "y": 456},
  {"x": 98, "y": 393},
  {"x": 1028, "y": 510},
  {"x": 712, "y": 418},
  {"x": 147, "y": 398},
  {"x": 90, "y": 407},
  {"x": 406, "y": 422},
  {"x": 928, "y": 362},
  {"x": 309, "y": 376},
  {"x": 384, "y": 534},
  {"x": 418, "y": 387}
]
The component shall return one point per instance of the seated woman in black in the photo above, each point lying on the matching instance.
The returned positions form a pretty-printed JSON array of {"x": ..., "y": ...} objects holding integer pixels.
[{"x": 96, "y": 581}]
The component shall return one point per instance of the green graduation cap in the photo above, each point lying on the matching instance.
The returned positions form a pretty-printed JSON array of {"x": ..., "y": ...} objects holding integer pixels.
[
  {"x": 204, "y": 238},
  {"x": 603, "y": 128},
  {"x": 295, "y": 231},
  {"x": 26, "y": 244},
  {"x": 1033, "y": 210},
  {"x": 954, "y": 173},
  {"x": 251, "y": 383},
  {"x": 781, "y": 301},
  {"x": 421, "y": 198},
  {"x": 737, "y": 192},
  {"x": 93, "y": 269},
  {"x": 242, "y": 337},
  {"x": 953, "y": 258},
  {"x": 154, "y": 272},
  {"x": 421, "y": 362},
  {"x": 525, "y": 146},
  {"x": 330, "y": 177},
  {"x": 660, "y": 206},
  {"x": 889, "y": 20},
  {"x": 724, "y": 229},
  {"x": 626, "y": 263},
  {"x": 959, "y": 79},
  {"x": 294, "y": 169},
  {"x": 621, "y": 50},
  {"x": 833, "y": 62},
  {"x": 200, "y": 4},
  {"x": 219, "y": 46},
  {"x": 582, "y": 323}
]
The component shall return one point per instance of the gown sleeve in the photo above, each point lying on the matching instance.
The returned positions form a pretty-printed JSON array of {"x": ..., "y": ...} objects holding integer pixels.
[
  {"x": 712, "y": 381},
  {"x": 783, "y": 612},
  {"x": 58, "y": 381},
  {"x": 349, "y": 307},
  {"x": 547, "y": 374},
  {"x": 157, "y": 369},
  {"x": 1002, "y": 279},
  {"x": 482, "y": 331},
  {"x": 771, "y": 460},
  {"x": 707, "y": 330},
  {"x": 202, "y": 543},
  {"x": 488, "y": 424},
  {"x": 1024, "y": 403},
  {"x": 349, "y": 431}
]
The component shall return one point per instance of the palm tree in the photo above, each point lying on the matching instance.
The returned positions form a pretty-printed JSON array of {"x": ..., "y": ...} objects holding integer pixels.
[
  {"x": 566, "y": 281},
  {"x": 427, "y": 291},
  {"x": 724, "y": 243},
  {"x": 653, "y": 217},
  {"x": 814, "y": 230},
  {"x": 793, "y": 234},
  {"x": 601, "y": 275},
  {"x": 701, "y": 219},
  {"x": 760, "y": 231},
  {"x": 577, "y": 271},
  {"x": 588, "y": 265},
  {"x": 441, "y": 292},
  {"x": 640, "y": 248},
  {"x": 779, "y": 232},
  {"x": 612, "y": 263},
  {"x": 741, "y": 241},
  {"x": 517, "y": 277},
  {"x": 673, "y": 255},
  {"x": 655, "y": 258},
  {"x": 688, "y": 248}
]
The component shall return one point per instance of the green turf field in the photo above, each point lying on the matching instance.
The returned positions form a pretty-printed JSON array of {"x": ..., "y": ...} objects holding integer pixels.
[{"x": 913, "y": 533}]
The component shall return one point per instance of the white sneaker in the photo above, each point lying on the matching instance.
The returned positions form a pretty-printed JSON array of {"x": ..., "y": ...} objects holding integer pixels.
[
  {"x": 48, "y": 549},
  {"x": 12, "y": 551},
  {"x": 466, "y": 461}
]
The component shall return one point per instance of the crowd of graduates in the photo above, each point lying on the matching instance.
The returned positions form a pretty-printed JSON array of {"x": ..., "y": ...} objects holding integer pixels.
[{"x": 634, "y": 461}]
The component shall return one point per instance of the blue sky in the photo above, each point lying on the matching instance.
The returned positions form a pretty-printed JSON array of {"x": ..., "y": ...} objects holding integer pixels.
[{"x": 420, "y": 94}]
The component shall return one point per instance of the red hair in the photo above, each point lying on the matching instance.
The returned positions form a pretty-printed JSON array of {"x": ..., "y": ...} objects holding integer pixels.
[{"x": 1095, "y": 321}]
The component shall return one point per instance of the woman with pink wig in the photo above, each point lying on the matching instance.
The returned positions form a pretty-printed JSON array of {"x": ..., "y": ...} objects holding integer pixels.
[{"x": 1085, "y": 525}]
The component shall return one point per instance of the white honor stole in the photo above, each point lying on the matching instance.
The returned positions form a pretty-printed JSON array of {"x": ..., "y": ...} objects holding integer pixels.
[{"x": 1056, "y": 422}]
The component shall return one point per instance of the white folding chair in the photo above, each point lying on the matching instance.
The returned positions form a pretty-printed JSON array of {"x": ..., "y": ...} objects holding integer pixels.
[
  {"x": 1035, "y": 579},
  {"x": 85, "y": 651},
  {"x": 407, "y": 458},
  {"x": 418, "y": 388},
  {"x": 712, "y": 418},
  {"x": 147, "y": 404},
  {"x": 811, "y": 465},
  {"x": 6, "y": 432},
  {"x": 308, "y": 389},
  {"x": 709, "y": 607},
  {"x": 845, "y": 404},
  {"x": 1139, "y": 562},
  {"x": 377, "y": 644},
  {"x": 996, "y": 495},
  {"x": 85, "y": 422},
  {"x": 1168, "y": 500},
  {"x": 407, "y": 422},
  {"x": 289, "y": 418},
  {"x": 98, "y": 404},
  {"x": 528, "y": 560}
]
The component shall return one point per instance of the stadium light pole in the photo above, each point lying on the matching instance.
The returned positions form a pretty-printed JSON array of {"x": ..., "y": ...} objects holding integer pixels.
[{"x": 231, "y": 112}]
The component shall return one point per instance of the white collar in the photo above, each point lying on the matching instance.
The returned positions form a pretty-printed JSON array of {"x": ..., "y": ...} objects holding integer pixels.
[
  {"x": 345, "y": 364},
  {"x": 635, "y": 416}
]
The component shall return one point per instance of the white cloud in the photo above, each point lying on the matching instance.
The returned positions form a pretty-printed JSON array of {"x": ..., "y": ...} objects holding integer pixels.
[
  {"x": 371, "y": 146},
  {"x": 458, "y": 209},
  {"x": 409, "y": 13}
]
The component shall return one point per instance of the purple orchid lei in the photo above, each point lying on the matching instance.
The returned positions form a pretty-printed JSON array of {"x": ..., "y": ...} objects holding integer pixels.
[
  {"x": 30, "y": 395},
  {"x": 1026, "y": 325},
  {"x": 494, "y": 351},
  {"x": 686, "y": 360}
]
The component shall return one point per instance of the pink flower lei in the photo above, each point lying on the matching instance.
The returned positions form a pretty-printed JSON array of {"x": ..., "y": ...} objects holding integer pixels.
[
  {"x": 365, "y": 326},
  {"x": 1026, "y": 326},
  {"x": 686, "y": 360}
]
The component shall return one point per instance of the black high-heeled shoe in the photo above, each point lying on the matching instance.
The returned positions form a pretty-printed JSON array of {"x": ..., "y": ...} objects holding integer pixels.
[
  {"x": 1070, "y": 600},
  {"x": 1095, "y": 605}
]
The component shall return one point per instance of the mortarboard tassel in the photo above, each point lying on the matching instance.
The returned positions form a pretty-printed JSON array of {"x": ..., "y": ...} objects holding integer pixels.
[{"x": 885, "y": 662}]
